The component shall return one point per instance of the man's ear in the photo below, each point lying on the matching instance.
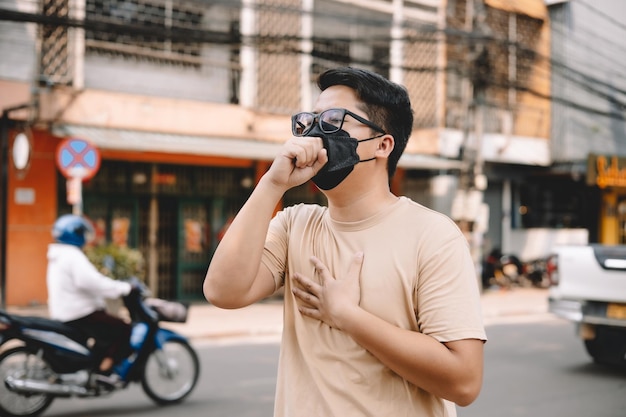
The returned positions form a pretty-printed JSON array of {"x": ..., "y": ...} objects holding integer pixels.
[{"x": 385, "y": 146}]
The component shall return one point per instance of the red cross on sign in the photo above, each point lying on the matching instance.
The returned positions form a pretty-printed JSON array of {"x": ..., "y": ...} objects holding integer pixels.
[{"x": 77, "y": 158}]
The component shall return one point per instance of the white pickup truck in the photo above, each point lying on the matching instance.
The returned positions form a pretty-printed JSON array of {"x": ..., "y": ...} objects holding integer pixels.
[{"x": 589, "y": 289}]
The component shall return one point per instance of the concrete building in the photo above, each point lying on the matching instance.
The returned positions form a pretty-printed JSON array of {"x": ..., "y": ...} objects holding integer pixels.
[
  {"x": 588, "y": 144},
  {"x": 187, "y": 102}
]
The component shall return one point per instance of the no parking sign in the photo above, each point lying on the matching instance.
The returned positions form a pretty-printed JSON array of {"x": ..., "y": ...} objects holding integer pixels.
[{"x": 78, "y": 158}]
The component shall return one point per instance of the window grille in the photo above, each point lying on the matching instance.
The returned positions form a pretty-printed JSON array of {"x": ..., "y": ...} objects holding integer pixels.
[
  {"x": 145, "y": 30},
  {"x": 381, "y": 57},
  {"x": 511, "y": 46},
  {"x": 328, "y": 53},
  {"x": 420, "y": 77},
  {"x": 278, "y": 86},
  {"x": 528, "y": 32},
  {"x": 55, "y": 56}
]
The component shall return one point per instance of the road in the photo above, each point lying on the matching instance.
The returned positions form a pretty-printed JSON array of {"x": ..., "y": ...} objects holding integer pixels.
[
  {"x": 236, "y": 381},
  {"x": 542, "y": 370},
  {"x": 532, "y": 369}
]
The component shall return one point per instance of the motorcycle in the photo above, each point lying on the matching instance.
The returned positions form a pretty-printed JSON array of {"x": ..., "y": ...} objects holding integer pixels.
[
  {"x": 53, "y": 360},
  {"x": 537, "y": 272},
  {"x": 503, "y": 270}
]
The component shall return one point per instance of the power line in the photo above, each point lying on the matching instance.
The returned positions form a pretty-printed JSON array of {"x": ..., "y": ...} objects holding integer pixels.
[
  {"x": 273, "y": 44},
  {"x": 602, "y": 14},
  {"x": 593, "y": 49}
]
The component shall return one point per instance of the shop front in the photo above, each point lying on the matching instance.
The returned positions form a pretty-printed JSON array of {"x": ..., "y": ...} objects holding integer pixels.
[
  {"x": 170, "y": 196},
  {"x": 608, "y": 174},
  {"x": 173, "y": 207},
  {"x": 174, "y": 214}
]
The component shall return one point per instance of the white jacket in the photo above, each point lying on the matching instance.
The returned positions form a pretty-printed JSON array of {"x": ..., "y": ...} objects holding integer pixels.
[{"x": 75, "y": 287}]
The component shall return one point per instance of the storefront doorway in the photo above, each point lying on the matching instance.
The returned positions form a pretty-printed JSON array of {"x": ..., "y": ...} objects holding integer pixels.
[{"x": 174, "y": 215}]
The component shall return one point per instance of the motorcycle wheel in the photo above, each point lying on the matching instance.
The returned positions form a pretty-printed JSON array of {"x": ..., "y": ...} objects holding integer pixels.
[
  {"x": 20, "y": 363},
  {"x": 171, "y": 373}
]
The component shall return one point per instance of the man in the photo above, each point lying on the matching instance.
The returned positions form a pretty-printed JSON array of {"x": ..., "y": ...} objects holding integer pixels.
[
  {"x": 77, "y": 292},
  {"x": 382, "y": 311}
]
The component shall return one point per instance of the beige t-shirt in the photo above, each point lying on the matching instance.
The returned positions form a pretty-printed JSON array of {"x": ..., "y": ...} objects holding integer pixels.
[{"x": 417, "y": 274}]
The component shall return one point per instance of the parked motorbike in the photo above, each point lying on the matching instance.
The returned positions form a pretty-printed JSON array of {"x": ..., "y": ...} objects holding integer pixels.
[
  {"x": 500, "y": 269},
  {"x": 536, "y": 272},
  {"x": 53, "y": 360},
  {"x": 507, "y": 270}
]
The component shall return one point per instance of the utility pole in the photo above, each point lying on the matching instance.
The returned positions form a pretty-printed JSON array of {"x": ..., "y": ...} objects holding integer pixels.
[{"x": 469, "y": 209}]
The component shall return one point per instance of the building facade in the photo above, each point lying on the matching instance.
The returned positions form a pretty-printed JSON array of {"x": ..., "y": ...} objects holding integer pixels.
[
  {"x": 188, "y": 102},
  {"x": 589, "y": 119}
]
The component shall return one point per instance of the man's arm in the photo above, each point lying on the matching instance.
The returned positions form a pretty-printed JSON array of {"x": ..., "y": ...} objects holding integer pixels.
[
  {"x": 235, "y": 277},
  {"x": 89, "y": 279},
  {"x": 450, "y": 370}
]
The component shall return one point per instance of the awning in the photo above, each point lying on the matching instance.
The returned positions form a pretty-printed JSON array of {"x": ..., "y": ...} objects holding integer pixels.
[{"x": 141, "y": 141}]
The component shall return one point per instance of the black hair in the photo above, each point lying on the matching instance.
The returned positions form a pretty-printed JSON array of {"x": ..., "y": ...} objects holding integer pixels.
[{"x": 386, "y": 103}]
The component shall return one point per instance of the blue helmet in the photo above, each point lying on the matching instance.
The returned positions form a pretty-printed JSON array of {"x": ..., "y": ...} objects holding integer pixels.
[{"x": 72, "y": 230}]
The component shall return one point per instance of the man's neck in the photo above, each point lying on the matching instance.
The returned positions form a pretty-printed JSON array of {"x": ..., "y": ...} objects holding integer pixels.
[{"x": 350, "y": 207}]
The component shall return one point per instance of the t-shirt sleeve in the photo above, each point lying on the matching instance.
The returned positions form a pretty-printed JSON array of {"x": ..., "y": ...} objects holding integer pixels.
[
  {"x": 447, "y": 294},
  {"x": 275, "y": 251}
]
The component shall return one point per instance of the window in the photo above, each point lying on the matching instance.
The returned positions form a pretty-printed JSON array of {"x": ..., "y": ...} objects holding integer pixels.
[
  {"x": 555, "y": 202},
  {"x": 55, "y": 62},
  {"x": 327, "y": 53},
  {"x": 152, "y": 30},
  {"x": 346, "y": 34}
]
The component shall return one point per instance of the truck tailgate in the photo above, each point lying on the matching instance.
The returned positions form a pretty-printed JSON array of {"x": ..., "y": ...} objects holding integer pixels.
[{"x": 592, "y": 272}]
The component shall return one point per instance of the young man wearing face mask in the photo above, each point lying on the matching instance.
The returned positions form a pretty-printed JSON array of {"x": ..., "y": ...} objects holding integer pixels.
[{"x": 382, "y": 311}]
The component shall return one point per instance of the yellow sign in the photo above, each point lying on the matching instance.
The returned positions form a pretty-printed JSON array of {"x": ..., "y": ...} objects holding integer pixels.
[{"x": 606, "y": 173}]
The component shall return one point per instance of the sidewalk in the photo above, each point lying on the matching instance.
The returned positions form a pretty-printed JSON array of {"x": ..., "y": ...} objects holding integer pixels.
[
  {"x": 517, "y": 304},
  {"x": 263, "y": 321}
]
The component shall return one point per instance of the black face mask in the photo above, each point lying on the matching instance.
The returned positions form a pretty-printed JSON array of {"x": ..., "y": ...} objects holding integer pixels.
[{"x": 342, "y": 157}]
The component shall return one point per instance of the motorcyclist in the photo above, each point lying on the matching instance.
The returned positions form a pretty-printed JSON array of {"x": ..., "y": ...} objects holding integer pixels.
[{"x": 77, "y": 292}]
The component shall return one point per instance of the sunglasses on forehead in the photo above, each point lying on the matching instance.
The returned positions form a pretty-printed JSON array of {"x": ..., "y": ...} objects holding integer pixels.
[{"x": 329, "y": 121}]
